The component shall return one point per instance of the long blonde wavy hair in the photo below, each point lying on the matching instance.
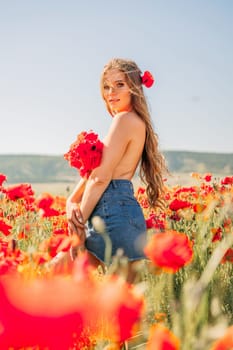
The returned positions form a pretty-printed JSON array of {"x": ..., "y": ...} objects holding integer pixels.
[{"x": 152, "y": 164}]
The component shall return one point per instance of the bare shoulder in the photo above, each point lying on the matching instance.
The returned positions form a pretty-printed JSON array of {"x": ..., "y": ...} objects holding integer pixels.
[{"x": 130, "y": 119}]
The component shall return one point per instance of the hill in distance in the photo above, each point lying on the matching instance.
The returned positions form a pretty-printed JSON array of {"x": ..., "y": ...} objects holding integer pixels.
[{"x": 46, "y": 168}]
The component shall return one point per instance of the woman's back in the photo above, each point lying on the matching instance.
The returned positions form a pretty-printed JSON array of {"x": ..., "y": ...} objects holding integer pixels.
[{"x": 134, "y": 132}]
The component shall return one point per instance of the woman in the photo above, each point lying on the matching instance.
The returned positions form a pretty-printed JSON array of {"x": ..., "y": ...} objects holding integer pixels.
[{"x": 108, "y": 193}]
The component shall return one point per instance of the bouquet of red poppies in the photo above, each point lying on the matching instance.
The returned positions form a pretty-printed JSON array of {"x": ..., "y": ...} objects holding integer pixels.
[{"x": 85, "y": 153}]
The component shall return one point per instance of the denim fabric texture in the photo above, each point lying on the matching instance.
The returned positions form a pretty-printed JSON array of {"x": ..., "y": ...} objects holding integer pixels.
[{"x": 124, "y": 222}]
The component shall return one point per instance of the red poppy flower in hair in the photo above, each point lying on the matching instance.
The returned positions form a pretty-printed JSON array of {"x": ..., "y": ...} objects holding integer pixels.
[{"x": 147, "y": 79}]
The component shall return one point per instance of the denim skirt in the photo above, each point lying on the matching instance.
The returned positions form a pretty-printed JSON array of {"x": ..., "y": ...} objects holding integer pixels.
[{"x": 123, "y": 220}]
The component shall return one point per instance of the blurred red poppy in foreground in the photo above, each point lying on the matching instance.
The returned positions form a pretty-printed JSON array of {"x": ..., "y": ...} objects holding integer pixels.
[
  {"x": 55, "y": 312},
  {"x": 226, "y": 342},
  {"x": 42, "y": 313},
  {"x": 162, "y": 339},
  {"x": 120, "y": 309},
  {"x": 170, "y": 250}
]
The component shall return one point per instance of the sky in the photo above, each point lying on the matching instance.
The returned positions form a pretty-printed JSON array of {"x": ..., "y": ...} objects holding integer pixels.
[{"x": 52, "y": 53}]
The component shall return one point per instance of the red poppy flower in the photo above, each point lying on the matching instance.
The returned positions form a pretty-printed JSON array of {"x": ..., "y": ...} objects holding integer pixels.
[
  {"x": 19, "y": 191},
  {"x": 55, "y": 244},
  {"x": 161, "y": 338},
  {"x": 167, "y": 196},
  {"x": 85, "y": 153},
  {"x": 2, "y": 179},
  {"x": 10, "y": 256},
  {"x": 170, "y": 250},
  {"x": 228, "y": 180},
  {"x": 120, "y": 308},
  {"x": 49, "y": 212},
  {"x": 147, "y": 79},
  {"x": 227, "y": 224},
  {"x": 144, "y": 203},
  {"x": 61, "y": 231},
  {"x": 175, "y": 217},
  {"x": 198, "y": 207},
  {"x": 154, "y": 222},
  {"x": 217, "y": 234},
  {"x": 141, "y": 190},
  {"x": 177, "y": 204},
  {"x": 150, "y": 221},
  {"x": 22, "y": 235},
  {"x": 228, "y": 256},
  {"x": 33, "y": 325},
  {"x": 87, "y": 304},
  {"x": 207, "y": 177},
  {"x": 206, "y": 189},
  {"x": 45, "y": 200},
  {"x": 226, "y": 342},
  {"x": 185, "y": 189},
  {"x": 4, "y": 228}
]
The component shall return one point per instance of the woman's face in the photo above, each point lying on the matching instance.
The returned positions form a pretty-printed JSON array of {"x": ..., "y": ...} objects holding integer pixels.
[{"x": 116, "y": 91}]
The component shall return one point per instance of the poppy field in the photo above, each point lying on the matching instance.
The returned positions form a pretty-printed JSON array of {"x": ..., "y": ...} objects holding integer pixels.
[{"x": 181, "y": 298}]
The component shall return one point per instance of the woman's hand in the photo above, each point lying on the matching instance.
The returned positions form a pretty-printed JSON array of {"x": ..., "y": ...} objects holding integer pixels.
[
  {"x": 75, "y": 226},
  {"x": 75, "y": 249},
  {"x": 75, "y": 219}
]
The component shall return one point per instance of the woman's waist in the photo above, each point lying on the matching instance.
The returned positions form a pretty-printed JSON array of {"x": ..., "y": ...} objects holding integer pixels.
[
  {"x": 118, "y": 197},
  {"x": 120, "y": 183},
  {"x": 117, "y": 190}
]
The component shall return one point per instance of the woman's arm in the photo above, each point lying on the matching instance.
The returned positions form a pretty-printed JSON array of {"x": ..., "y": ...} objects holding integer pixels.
[
  {"x": 76, "y": 195},
  {"x": 73, "y": 213},
  {"x": 115, "y": 145}
]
